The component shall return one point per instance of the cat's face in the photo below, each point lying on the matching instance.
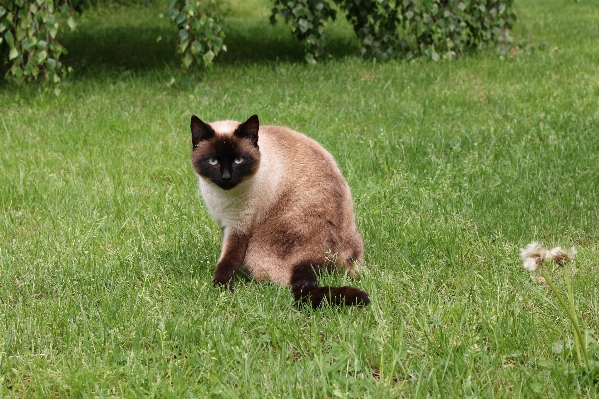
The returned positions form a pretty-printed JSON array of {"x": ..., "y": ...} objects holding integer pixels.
[{"x": 225, "y": 158}]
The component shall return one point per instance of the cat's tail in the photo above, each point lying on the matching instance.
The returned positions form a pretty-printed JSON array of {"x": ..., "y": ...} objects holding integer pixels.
[
  {"x": 348, "y": 296},
  {"x": 306, "y": 290}
]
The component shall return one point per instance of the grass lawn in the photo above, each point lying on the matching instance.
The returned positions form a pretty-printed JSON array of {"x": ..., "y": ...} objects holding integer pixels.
[{"x": 107, "y": 252}]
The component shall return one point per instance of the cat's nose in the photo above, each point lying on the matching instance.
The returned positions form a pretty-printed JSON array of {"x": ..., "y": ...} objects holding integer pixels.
[{"x": 226, "y": 175}]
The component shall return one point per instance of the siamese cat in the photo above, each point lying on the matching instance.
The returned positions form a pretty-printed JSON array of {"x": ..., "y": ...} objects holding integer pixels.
[{"x": 284, "y": 209}]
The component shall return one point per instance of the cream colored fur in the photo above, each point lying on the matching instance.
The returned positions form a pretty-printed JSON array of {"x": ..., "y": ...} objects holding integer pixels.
[{"x": 291, "y": 169}]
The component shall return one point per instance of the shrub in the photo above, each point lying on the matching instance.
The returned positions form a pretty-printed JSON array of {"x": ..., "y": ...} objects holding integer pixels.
[
  {"x": 407, "y": 28},
  {"x": 199, "y": 32},
  {"x": 306, "y": 19},
  {"x": 28, "y": 31},
  {"x": 433, "y": 28},
  {"x": 386, "y": 28}
]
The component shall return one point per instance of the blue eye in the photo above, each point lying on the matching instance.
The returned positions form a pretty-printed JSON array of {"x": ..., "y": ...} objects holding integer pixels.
[
  {"x": 238, "y": 160},
  {"x": 212, "y": 161}
]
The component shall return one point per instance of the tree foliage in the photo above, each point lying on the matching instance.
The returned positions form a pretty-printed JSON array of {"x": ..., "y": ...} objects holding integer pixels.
[
  {"x": 199, "y": 35},
  {"x": 307, "y": 19},
  {"x": 432, "y": 29},
  {"x": 409, "y": 29},
  {"x": 429, "y": 28},
  {"x": 31, "y": 51},
  {"x": 28, "y": 30}
]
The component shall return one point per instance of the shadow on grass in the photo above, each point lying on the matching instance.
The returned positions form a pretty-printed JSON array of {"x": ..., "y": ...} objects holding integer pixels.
[
  {"x": 101, "y": 47},
  {"x": 118, "y": 49},
  {"x": 264, "y": 43}
]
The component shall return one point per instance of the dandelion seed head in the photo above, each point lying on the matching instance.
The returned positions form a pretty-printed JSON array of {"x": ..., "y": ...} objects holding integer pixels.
[
  {"x": 535, "y": 254},
  {"x": 560, "y": 256},
  {"x": 556, "y": 254},
  {"x": 534, "y": 249},
  {"x": 532, "y": 263}
]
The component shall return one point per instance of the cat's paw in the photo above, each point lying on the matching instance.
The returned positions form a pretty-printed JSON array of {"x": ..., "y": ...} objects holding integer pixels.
[
  {"x": 223, "y": 283},
  {"x": 223, "y": 276}
]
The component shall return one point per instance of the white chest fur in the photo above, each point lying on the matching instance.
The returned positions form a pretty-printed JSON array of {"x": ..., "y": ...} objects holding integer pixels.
[
  {"x": 242, "y": 207},
  {"x": 228, "y": 207}
]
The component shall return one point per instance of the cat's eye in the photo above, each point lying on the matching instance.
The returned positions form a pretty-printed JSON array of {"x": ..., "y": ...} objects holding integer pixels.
[
  {"x": 212, "y": 161},
  {"x": 238, "y": 160}
]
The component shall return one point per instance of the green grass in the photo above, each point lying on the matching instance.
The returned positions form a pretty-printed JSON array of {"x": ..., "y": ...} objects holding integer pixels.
[{"x": 107, "y": 253}]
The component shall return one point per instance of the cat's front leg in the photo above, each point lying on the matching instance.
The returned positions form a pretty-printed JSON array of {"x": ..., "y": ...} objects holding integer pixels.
[{"x": 233, "y": 253}]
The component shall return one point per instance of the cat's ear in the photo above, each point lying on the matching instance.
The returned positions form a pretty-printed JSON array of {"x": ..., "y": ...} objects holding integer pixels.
[
  {"x": 249, "y": 130},
  {"x": 200, "y": 131}
]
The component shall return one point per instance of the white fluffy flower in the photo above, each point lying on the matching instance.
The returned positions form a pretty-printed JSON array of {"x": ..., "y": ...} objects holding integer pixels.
[
  {"x": 532, "y": 264},
  {"x": 555, "y": 253},
  {"x": 560, "y": 255},
  {"x": 533, "y": 250},
  {"x": 535, "y": 254}
]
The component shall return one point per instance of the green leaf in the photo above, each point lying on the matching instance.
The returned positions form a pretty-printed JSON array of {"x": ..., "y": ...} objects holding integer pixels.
[
  {"x": 183, "y": 46},
  {"x": 196, "y": 25},
  {"x": 183, "y": 34},
  {"x": 187, "y": 60},
  {"x": 9, "y": 38},
  {"x": 208, "y": 57},
  {"x": 304, "y": 24},
  {"x": 25, "y": 44},
  {"x": 53, "y": 30},
  {"x": 41, "y": 56},
  {"x": 21, "y": 31},
  {"x": 14, "y": 53},
  {"x": 217, "y": 43},
  {"x": 196, "y": 47},
  {"x": 71, "y": 22}
]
